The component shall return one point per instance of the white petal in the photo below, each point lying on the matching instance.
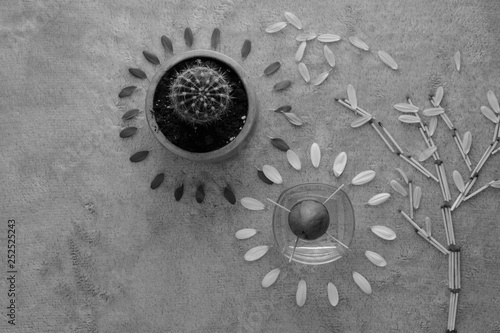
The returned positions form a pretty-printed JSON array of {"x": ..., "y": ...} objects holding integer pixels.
[
  {"x": 359, "y": 43},
  {"x": 293, "y": 159},
  {"x": 301, "y": 293},
  {"x": 432, "y": 125},
  {"x": 376, "y": 258},
  {"x": 407, "y": 119},
  {"x": 333, "y": 294},
  {"x": 330, "y": 58},
  {"x": 387, "y": 59},
  {"x": 339, "y": 164},
  {"x": 406, "y": 107},
  {"x": 328, "y": 38},
  {"x": 417, "y": 196},
  {"x": 251, "y": 203},
  {"x": 467, "y": 141},
  {"x": 270, "y": 278},
  {"x": 457, "y": 60},
  {"x": 403, "y": 175},
  {"x": 361, "y": 121},
  {"x": 351, "y": 96},
  {"x": 293, "y": 19},
  {"x": 378, "y": 199},
  {"x": 488, "y": 113},
  {"x": 362, "y": 282},
  {"x": 245, "y": 233},
  {"x": 300, "y": 51},
  {"x": 304, "y": 72},
  {"x": 427, "y": 153},
  {"x": 438, "y": 97},
  {"x": 363, "y": 177},
  {"x": 256, "y": 252},
  {"x": 433, "y": 112},
  {"x": 275, "y": 27},
  {"x": 398, "y": 188},
  {"x": 492, "y": 99},
  {"x": 459, "y": 181},
  {"x": 315, "y": 154},
  {"x": 383, "y": 232},
  {"x": 272, "y": 174}
]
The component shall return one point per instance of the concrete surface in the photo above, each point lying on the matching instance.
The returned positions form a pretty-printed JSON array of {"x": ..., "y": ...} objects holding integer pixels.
[{"x": 98, "y": 251}]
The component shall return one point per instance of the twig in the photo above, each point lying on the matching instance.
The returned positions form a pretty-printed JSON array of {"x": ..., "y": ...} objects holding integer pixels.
[
  {"x": 414, "y": 165},
  {"x": 382, "y": 136},
  {"x": 462, "y": 152},
  {"x": 294, "y": 247},
  {"x": 410, "y": 195},
  {"x": 429, "y": 174},
  {"x": 338, "y": 189},
  {"x": 476, "y": 192},
  {"x": 484, "y": 158},
  {"x": 445, "y": 182},
  {"x": 445, "y": 222},
  {"x": 335, "y": 239},
  {"x": 280, "y": 206},
  {"x": 463, "y": 194},
  {"x": 391, "y": 138}
]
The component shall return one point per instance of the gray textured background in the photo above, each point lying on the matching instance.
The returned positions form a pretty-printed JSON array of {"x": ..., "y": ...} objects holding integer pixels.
[{"x": 98, "y": 251}]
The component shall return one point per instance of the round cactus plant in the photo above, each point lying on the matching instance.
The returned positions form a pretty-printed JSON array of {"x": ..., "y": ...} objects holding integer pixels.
[{"x": 200, "y": 94}]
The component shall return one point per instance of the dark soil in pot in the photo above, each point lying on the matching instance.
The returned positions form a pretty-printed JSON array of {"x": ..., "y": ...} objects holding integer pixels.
[{"x": 200, "y": 138}]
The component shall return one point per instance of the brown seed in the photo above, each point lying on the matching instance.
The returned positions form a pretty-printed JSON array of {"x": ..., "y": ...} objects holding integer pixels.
[
  {"x": 151, "y": 57},
  {"x": 215, "y": 40},
  {"x": 128, "y": 132},
  {"x": 167, "y": 44},
  {"x": 246, "y": 48},
  {"x": 127, "y": 91},
  {"x": 139, "y": 156},
  {"x": 200, "y": 193},
  {"x": 179, "y": 191},
  {"x": 282, "y": 85},
  {"x": 157, "y": 181},
  {"x": 229, "y": 195},
  {"x": 138, "y": 73},
  {"x": 130, "y": 114},
  {"x": 188, "y": 36},
  {"x": 272, "y": 68},
  {"x": 280, "y": 144}
]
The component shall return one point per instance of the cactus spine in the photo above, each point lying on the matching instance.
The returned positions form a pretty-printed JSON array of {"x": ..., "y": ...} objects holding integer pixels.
[{"x": 200, "y": 94}]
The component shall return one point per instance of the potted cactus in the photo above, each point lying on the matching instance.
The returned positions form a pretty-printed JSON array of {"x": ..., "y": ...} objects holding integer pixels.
[{"x": 201, "y": 106}]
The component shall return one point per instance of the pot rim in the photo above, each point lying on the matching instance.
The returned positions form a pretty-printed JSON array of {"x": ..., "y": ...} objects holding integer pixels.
[{"x": 228, "y": 150}]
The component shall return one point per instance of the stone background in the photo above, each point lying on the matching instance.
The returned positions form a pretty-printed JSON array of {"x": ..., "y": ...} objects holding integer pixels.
[{"x": 98, "y": 251}]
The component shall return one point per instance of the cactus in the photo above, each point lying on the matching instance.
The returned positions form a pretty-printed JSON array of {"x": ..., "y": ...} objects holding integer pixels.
[{"x": 200, "y": 94}]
